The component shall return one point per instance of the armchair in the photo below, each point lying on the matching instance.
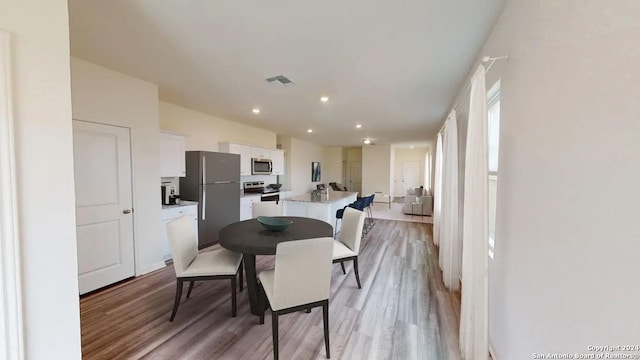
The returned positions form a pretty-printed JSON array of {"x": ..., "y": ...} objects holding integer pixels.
[{"x": 411, "y": 207}]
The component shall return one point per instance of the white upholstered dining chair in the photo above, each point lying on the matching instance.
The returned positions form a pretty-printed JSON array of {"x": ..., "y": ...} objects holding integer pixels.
[
  {"x": 347, "y": 246},
  {"x": 192, "y": 266},
  {"x": 301, "y": 280},
  {"x": 267, "y": 208}
]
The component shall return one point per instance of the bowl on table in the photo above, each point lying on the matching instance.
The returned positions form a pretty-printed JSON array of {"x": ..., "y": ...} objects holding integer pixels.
[
  {"x": 275, "y": 186},
  {"x": 273, "y": 223}
]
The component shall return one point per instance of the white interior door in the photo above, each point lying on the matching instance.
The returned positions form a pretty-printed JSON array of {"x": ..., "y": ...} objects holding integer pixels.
[
  {"x": 410, "y": 175},
  {"x": 355, "y": 177},
  {"x": 104, "y": 219}
]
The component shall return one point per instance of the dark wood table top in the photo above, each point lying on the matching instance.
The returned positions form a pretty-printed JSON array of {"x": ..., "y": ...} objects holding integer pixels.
[{"x": 249, "y": 237}]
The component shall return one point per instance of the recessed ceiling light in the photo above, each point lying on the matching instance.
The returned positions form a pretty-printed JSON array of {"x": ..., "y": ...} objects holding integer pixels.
[
  {"x": 324, "y": 99},
  {"x": 309, "y": 130},
  {"x": 358, "y": 126},
  {"x": 367, "y": 141},
  {"x": 256, "y": 111}
]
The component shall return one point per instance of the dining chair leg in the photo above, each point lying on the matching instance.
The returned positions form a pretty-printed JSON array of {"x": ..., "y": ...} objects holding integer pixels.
[
  {"x": 261, "y": 303},
  {"x": 241, "y": 276},
  {"x": 233, "y": 296},
  {"x": 190, "y": 288},
  {"x": 176, "y": 303},
  {"x": 274, "y": 326},
  {"x": 355, "y": 270},
  {"x": 325, "y": 321},
  {"x": 342, "y": 266}
]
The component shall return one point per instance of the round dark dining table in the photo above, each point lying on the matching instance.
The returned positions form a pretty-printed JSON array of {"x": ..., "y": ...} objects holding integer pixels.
[{"x": 250, "y": 238}]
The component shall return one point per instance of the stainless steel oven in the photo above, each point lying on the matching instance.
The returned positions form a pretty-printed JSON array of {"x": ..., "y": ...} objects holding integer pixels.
[
  {"x": 270, "y": 197},
  {"x": 261, "y": 166}
]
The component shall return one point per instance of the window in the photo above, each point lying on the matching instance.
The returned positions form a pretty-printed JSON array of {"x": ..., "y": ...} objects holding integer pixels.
[
  {"x": 427, "y": 173},
  {"x": 493, "y": 138}
]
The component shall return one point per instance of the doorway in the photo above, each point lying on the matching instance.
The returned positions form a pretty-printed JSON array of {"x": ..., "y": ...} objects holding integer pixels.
[
  {"x": 355, "y": 176},
  {"x": 104, "y": 213},
  {"x": 410, "y": 175}
]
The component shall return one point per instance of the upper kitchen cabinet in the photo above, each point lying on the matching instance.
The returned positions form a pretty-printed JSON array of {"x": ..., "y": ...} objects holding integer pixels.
[
  {"x": 260, "y": 153},
  {"x": 172, "y": 149},
  {"x": 277, "y": 162},
  {"x": 245, "y": 155}
]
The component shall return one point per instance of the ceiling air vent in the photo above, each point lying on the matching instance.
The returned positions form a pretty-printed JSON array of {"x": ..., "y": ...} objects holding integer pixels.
[{"x": 283, "y": 80}]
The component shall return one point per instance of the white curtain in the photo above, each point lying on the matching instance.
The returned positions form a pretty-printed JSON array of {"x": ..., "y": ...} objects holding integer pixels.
[
  {"x": 474, "y": 309},
  {"x": 437, "y": 192},
  {"x": 450, "y": 242}
]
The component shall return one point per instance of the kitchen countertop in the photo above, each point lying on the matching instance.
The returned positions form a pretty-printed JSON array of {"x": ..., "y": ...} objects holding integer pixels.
[
  {"x": 331, "y": 197},
  {"x": 182, "y": 203}
]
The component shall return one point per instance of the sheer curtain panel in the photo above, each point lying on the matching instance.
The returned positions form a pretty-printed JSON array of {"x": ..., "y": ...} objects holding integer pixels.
[
  {"x": 450, "y": 242},
  {"x": 437, "y": 192},
  {"x": 474, "y": 308}
]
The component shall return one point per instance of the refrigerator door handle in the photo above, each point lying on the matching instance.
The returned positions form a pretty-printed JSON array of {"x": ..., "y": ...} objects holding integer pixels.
[
  {"x": 204, "y": 202},
  {"x": 204, "y": 170}
]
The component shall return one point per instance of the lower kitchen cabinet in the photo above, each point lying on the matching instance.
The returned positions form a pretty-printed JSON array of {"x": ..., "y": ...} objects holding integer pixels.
[
  {"x": 246, "y": 206},
  {"x": 171, "y": 213}
]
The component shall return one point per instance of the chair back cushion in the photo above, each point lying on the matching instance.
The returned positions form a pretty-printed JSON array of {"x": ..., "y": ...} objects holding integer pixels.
[
  {"x": 183, "y": 243},
  {"x": 302, "y": 272},
  {"x": 351, "y": 230},
  {"x": 267, "y": 208}
]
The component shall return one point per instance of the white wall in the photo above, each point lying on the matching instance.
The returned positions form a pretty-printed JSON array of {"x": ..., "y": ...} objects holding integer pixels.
[
  {"x": 332, "y": 165},
  {"x": 108, "y": 97},
  {"x": 376, "y": 169},
  {"x": 567, "y": 251},
  {"x": 44, "y": 165},
  {"x": 299, "y": 156},
  {"x": 203, "y": 131}
]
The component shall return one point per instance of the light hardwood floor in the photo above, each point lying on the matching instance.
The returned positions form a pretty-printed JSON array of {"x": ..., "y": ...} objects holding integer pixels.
[{"x": 401, "y": 312}]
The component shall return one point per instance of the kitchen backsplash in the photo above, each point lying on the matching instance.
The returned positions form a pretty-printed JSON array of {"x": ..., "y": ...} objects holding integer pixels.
[
  {"x": 175, "y": 181},
  {"x": 268, "y": 179}
]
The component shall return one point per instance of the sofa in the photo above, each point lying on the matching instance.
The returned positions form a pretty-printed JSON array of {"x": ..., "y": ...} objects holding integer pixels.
[{"x": 421, "y": 204}]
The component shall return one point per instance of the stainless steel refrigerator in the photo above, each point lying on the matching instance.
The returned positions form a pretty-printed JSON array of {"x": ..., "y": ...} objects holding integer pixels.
[{"x": 213, "y": 180}]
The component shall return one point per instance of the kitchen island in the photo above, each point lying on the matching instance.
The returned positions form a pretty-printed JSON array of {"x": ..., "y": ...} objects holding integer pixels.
[{"x": 321, "y": 207}]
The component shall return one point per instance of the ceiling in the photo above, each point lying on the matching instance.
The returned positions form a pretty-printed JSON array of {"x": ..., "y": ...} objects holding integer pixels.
[{"x": 394, "y": 67}]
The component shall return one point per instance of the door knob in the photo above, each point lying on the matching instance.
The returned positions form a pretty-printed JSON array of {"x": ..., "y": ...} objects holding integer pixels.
[{"x": 126, "y": 211}]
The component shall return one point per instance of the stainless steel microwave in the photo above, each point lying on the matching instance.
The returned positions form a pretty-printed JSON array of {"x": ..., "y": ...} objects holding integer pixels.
[{"x": 261, "y": 166}]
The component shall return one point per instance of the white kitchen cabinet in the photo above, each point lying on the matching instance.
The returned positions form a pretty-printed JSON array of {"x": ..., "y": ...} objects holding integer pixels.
[
  {"x": 172, "y": 149},
  {"x": 246, "y": 206},
  {"x": 245, "y": 155},
  {"x": 260, "y": 153},
  {"x": 172, "y": 213},
  {"x": 277, "y": 161}
]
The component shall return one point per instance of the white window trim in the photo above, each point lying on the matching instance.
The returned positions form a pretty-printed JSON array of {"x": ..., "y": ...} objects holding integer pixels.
[
  {"x": 493, "y": 96},
  {"x": 11, "y": 315}
]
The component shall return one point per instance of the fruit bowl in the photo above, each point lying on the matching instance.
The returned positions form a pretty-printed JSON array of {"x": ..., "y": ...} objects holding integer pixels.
[{"x": 274, "y": 224}]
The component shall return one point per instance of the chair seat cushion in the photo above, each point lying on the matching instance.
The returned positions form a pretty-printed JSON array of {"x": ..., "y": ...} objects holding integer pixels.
[
  {"x": 267, "y": 279},
  {"x": 210, "y": 263},
  {"x": 341, "y": 251}
]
